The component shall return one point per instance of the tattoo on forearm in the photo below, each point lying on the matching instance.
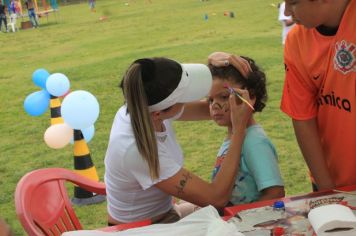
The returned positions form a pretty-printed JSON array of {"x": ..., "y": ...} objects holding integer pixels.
[{"x": 183, "y": 182}]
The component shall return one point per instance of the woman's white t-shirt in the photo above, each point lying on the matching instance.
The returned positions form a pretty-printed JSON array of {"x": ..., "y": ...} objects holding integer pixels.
[{"x": 131, "y": 194}]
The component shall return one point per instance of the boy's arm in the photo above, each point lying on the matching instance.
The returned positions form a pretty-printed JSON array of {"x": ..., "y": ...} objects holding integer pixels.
[
  {"x": 262, "y": 163},
  {"x": 272, "y": 193},
  {"x": 308, "y": 139}
]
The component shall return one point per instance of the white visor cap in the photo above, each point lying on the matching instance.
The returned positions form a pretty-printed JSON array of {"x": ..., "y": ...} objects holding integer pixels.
[{"x": 194, "y": 85}]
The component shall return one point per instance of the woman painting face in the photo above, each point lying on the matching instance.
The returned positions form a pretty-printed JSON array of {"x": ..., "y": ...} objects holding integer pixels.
[{"x": 219, "y": 101}]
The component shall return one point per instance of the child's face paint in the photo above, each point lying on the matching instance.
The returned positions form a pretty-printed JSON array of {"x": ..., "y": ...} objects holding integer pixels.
[
  {"x": 216, "y": 105},
  {"x": 219, "y": 102}
]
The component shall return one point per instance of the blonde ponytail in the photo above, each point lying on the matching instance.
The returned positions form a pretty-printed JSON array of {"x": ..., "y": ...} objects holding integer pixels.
[{"x": 141, "y": 123}]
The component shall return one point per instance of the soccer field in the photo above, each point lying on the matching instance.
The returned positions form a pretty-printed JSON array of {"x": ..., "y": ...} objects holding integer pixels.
[{"x": 94, "y": 48}]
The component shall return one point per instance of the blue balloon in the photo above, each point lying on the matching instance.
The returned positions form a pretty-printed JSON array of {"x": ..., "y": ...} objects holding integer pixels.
[
  {"x": 39, "y": 77},
  {"x": 57, "y": 84},
  {"x": 80, "y": 109},
  {"x": 37, "y": 103},
  {"x": 88, "y": 134}
]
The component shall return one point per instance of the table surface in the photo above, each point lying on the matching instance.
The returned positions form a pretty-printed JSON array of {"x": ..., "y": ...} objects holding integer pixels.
[
  {"x": 294, "y": 220},
  {"x": 260, "y": 218}
]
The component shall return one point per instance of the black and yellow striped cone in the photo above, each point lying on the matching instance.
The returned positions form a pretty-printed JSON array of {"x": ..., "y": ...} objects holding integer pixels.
[
  {"x": 84, "y": 166},
  {"x": 55, "y": 105}
]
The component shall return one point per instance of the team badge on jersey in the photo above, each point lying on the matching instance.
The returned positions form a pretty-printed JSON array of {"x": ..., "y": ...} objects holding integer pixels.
[{"x": 344, "y": 60}]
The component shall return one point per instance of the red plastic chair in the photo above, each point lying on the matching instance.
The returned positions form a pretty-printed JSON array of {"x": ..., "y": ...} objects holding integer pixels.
[{"x": 43, "y": 206}]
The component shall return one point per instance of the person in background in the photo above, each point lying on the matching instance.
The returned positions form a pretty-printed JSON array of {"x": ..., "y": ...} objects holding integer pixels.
[
  {"x": 31, "y": 13},
  {"x": 12, "y": 7},
  {"x": 144, "y": 162},
  {"x": 92, "y": 5},
  {"x": 3, "y": 17},
  {"x": 258, "y": 175},
  {"x": 319, "y": 91},
  {"x": 13, "y": 15},
  {"x": 18, "y": 8},
  {"x": 15, "y": 7},
  {"x": 287, "y": 22}
]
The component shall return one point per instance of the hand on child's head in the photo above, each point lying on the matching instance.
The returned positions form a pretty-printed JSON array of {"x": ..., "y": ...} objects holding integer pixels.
[{"x": 220, "y": 59}]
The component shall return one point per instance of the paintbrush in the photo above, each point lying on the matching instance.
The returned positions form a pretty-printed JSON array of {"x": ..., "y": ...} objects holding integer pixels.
[{"x": 232, "y": 91}]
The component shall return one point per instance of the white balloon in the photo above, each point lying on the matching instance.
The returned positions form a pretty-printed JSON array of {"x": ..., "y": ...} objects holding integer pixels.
[
  {"x": 57, "y": 84},
  {"x": 58, "y": 135},
  {"x": 80, "y": 109}
]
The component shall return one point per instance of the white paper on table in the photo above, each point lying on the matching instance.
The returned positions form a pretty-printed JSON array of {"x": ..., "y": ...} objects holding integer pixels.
[
  {"x": 328, "y": 220},
  {"x": 261, "y": 215},
  {"x": 203, "y": 222}
]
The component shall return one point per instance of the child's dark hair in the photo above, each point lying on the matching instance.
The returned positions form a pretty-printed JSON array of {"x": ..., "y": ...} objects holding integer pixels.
[{"x": 255, "y": 83}]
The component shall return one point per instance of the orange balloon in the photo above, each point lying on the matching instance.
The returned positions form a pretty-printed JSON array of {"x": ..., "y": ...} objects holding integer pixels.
[{"x": 58, "y": 135}]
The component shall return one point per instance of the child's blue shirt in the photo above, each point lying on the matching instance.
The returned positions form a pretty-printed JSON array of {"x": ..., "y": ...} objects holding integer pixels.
[{"x": 258, "y": 166}]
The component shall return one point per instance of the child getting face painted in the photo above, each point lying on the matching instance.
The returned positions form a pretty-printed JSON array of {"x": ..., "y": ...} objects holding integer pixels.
[{"x": 258, "y": 175}]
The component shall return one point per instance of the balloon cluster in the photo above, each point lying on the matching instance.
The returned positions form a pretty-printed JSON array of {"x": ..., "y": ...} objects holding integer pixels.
[{"x": 79, "y": 110}]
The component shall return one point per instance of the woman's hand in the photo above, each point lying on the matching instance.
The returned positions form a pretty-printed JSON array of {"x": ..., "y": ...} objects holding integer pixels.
[
  {"x": 219, "y": 59},
  {"x": 240, "y": 111}
]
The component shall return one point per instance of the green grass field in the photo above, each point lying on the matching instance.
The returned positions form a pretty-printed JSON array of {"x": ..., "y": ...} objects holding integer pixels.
[{"x": 94, "y": 55}]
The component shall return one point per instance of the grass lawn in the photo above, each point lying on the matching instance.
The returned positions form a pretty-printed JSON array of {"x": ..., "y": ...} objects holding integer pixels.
[{"x": 94, "y": 54}]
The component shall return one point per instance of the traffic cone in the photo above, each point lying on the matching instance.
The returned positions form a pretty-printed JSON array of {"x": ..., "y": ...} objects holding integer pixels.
[
  {"x": 84, "y": 166},
  {"x": 55, "y": 105}
]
